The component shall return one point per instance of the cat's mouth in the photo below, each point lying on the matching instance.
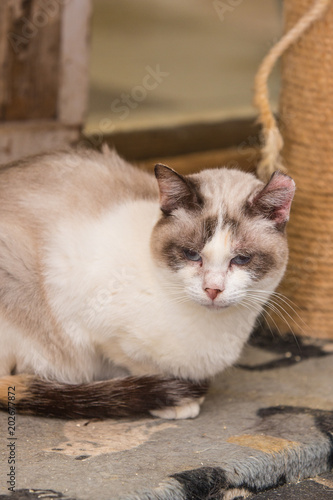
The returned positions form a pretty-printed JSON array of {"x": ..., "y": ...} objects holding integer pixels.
[{"x": 215, "y": 306}]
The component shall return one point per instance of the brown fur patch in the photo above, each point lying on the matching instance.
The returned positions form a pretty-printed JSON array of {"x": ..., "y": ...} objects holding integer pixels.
[
  {"x": 261, "y": 264},
  {"x": 106, "y": 399},
  {"x": 274, "y": 200},
  {"x": 176, "y": 191},
  {"x": 174, "y": 256},
  {"x": 192, "y": 230},
  {"x": 209, "y": 228},
  {"x": 173, "y": 234}
]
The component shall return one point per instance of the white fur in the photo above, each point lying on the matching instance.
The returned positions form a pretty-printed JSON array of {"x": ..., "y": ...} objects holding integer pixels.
[
  {"x": 113, "y": 302},
  {"x": 190, "y": 409},
  {"x": 120, "y": 312},
  {"x": 88, "y": 287},
  {"x": 117, "y": 308}
]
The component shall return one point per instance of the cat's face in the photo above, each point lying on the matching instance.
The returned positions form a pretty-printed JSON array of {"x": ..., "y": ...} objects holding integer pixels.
[{"x": 221, "y": 235}]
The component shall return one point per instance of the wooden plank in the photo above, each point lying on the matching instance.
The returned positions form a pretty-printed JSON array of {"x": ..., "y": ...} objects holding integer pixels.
[
  {"x": 4, "y": 28},
  {"x": 31, "y": 41},
  {"x": 18, "y": 139},
  {"x": 73, "y": 84},
  {"x": 245, "y": 159},
  {"x": 163, "y": 142}
]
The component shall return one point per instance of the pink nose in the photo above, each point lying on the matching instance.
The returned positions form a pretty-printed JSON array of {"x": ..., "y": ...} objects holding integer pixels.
[{"x": 212, "y": 292}]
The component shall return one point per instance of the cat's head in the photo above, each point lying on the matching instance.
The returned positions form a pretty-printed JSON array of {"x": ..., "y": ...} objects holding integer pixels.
[{"x": 221, "y": 233}]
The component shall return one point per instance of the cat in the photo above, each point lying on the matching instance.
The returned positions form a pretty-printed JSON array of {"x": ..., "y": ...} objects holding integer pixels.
[{"x": 122, "y": 292}]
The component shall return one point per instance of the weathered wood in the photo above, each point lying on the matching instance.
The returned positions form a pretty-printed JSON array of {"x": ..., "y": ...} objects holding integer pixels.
[
  {"x": 3, "y": 53},
  {"x": 184, "y": 139},
  {"x": 29, "y": 58},
  {"x": 73, "y": 83},
  {"x": 18, "y": 139},
  {"x": 245, "y": 159}
]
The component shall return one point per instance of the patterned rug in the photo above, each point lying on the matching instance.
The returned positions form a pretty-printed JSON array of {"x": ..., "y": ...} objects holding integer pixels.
[
  {"x": 266, "y": 422},
  {"x": 275, "y": 444}
]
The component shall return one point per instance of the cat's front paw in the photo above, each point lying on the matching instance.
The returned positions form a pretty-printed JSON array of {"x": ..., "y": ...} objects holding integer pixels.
[{"x": 190, "y": 409}]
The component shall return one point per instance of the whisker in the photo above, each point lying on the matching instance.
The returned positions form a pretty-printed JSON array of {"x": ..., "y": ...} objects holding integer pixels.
[
  {"x": 275, "y": 302},
  {"x": 288, "y": 302},
  {"x": 280, "y": 311},
  {"x": 261, "y": 314}
]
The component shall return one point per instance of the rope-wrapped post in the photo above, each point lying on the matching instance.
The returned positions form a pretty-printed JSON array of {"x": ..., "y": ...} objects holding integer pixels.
[{"x": 306, "y": 124}]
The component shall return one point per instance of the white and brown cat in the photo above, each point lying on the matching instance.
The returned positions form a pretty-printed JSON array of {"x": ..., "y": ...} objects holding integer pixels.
[{"x": 121, "y": 293}]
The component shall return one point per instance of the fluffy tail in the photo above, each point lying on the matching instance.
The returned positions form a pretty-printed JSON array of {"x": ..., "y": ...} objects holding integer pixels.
[{"x": 122, "y": 397}]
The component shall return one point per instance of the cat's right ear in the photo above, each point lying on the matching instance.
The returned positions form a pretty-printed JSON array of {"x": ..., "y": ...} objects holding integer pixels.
[{"x": 175, "y": 190}]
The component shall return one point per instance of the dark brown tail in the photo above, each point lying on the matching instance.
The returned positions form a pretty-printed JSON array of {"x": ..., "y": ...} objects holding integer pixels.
[{"x": 122, "y": 397}]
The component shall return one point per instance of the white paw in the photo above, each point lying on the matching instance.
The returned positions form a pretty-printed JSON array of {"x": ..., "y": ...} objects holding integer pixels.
[{"x": 191, "y": 409}]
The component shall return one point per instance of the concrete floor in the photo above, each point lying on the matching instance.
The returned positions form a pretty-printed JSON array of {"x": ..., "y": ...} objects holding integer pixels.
[{"x": 208, "y": 52}]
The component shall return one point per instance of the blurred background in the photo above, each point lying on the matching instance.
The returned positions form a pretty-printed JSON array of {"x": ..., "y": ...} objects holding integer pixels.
[
  {"x": 125, "y": 72},
  {"x": 208, "y": 52}
]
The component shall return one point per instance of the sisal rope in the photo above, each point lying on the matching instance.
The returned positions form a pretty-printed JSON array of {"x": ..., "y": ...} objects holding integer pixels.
[
  {"x": 272, "y": 139},
  {"x": 306, "y": 125}
]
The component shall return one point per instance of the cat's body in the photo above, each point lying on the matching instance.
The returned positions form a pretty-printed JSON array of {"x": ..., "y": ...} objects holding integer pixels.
[{"x": 97, "y": 282}]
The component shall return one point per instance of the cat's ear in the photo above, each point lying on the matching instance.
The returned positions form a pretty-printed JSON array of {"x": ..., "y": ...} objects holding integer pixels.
[
  {"x": 175, "y": 190},
  {"x": 274, "y": 200}
]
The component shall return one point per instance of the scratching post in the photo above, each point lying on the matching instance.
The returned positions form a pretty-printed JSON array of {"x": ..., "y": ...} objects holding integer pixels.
[
  {"x": 305, "y": 150},
  {"x": 306, "y": 111}
]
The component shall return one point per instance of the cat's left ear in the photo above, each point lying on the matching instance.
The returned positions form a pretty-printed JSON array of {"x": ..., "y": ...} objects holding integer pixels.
[
  {"x": 274, "y": 200},
  {"x": 175, "y": 190}
]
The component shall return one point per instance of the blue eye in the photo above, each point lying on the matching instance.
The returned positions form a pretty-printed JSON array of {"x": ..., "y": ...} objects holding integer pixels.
[
  {"x": 240, "y": 260},
  {"x": 192, "y": 255}
]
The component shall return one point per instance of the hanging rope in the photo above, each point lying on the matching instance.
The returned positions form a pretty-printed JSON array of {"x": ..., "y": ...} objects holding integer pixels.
[{"x": 272, "y": 139}]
